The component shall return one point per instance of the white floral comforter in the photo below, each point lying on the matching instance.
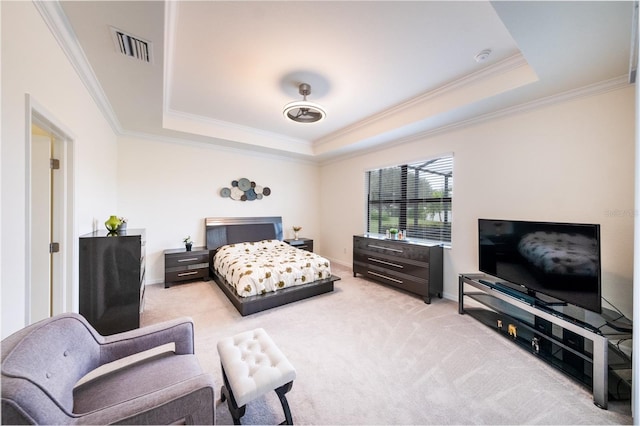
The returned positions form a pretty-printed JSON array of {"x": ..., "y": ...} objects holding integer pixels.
[
  {"x": 558, "y": 253},
  {"x": 268, "y": 265}
]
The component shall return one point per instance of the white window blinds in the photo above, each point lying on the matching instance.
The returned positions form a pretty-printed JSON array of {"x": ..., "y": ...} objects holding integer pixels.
[{"x": 414, "y": 197}]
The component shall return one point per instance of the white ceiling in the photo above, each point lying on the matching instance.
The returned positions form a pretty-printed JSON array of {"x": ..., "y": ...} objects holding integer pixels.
[{"x": 384, "y": 70}]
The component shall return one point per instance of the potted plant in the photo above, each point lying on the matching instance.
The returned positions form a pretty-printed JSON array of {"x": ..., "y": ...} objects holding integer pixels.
[
  {"x": 296, "y": 229},
  {"x": 393, "y": 233},
  {"x": 188, "y": 243},
  {"x": 123, "y": 224}
]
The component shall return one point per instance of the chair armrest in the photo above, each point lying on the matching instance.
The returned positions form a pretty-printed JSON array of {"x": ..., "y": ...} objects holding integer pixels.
[
  {"x": 120, "y": 345},
  {"x": 193, "y": 399}
]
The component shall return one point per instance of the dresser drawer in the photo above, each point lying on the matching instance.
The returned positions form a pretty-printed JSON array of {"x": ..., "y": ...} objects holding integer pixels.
[
  {"x": 406, "y": 282},
  {"x": 399, "y": 249},
  {"x": 395, "y": 264}
]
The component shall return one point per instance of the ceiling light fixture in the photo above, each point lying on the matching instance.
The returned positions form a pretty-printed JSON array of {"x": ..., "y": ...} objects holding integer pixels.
[{"x": 304, "y": 111}]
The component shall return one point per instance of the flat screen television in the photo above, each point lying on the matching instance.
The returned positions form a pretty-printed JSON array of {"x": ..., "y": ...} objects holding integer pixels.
[{"x": 559, "y": 260}]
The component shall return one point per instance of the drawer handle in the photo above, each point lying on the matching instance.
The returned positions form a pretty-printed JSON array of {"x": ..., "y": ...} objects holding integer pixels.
[
  {"x": 384, "y": 248},
  {"x": 385, "y": 277},
  {"x": 385, "y": 262},
  {"x": 184, "y": 274},
  {"x": 191, "y": 259}
]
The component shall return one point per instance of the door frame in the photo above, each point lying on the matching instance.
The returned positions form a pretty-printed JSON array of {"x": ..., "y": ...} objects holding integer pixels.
[{"x": 64, "y": 295}]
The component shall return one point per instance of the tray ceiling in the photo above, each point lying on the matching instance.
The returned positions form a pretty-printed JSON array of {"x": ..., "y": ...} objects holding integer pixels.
[{"x": 221, "y": 71}]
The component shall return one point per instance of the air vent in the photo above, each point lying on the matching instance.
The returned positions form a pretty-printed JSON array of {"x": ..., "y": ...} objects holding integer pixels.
[{"x": 132, "y": 46}]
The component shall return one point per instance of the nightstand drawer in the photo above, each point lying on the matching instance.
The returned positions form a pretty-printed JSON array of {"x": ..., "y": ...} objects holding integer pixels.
[
  {"x": 176, "y": 275},
  {"x": 185, "y": 259}
]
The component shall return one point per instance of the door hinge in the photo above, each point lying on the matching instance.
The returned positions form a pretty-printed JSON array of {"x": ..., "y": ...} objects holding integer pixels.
[
  {"x": 54, "y": 163},
  {"x": 54, "y": 247}
]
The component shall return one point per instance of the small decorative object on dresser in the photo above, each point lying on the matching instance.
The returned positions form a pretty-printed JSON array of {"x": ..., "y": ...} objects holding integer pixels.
[
  {"x": 112, "y": 224},
  {"x": 296, "y": 229},
  {"x": 188, "y": 243},
  {"x": 123, "y": 224}
]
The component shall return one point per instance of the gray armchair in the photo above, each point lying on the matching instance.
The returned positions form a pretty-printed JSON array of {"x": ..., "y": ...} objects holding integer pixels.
[{"x": 43, "y": 363}]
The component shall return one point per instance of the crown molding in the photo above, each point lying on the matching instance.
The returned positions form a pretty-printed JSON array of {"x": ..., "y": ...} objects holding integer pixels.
[
  {"x": 598, "y": 88},
  {"x": 59, "y": 25},
  {"x": 218, "y": 145},
  {"x": 219, "y": 129},
  {"x": 509, "y": 64},
  {"x": 585, "y": 91}
]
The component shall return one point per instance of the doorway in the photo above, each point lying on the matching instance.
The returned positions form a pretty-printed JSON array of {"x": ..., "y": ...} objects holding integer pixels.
[{"x": 49, "y": 227}]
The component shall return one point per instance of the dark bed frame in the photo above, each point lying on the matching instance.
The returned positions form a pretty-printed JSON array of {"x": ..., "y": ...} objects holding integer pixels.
[{"x": 229, "y": 230}]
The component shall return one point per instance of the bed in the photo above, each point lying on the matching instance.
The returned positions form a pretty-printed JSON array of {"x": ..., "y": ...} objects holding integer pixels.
[{"x": 226, "y": 235}]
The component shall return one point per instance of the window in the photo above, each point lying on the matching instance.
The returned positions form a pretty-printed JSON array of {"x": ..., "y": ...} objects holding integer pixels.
[{"x": 413, "y": 197}]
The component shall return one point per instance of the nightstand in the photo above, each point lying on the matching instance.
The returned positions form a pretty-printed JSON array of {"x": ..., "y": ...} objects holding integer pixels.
[
  {"x": 301, "y": 243},
  {"x": 183, "y": 265}
]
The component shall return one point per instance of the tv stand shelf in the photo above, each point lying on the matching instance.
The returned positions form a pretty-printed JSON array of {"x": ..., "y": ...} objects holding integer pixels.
[{"x": 576, "y": 347}]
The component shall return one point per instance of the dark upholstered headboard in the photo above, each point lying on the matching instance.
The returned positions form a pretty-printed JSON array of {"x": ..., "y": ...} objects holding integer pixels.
[{"x": 230, "y": 230}]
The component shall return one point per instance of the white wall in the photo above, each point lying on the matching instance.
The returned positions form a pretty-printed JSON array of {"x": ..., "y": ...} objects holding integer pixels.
[
  {"x": 32, "y": 62},
  {"x": 168, "y": 188},
  {"x": 568, "y": 162}
]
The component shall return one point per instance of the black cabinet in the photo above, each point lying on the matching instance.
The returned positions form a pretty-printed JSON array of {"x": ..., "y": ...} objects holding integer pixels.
[
  {"x": 301, "y": 243},
  {"x": 182, "y": 265},
  {"x": 408, "y": 265},
  {"x": 111, "y": 279}
]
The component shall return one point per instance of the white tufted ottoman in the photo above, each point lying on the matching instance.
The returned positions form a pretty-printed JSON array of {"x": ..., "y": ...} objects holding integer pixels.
[{"x": 252, "y": 365}]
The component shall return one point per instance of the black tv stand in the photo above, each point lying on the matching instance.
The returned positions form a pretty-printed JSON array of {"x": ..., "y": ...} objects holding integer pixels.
[{"x": 554, "y": 337}]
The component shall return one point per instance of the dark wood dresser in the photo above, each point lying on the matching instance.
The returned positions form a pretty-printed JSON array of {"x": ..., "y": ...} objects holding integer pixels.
[
  {"x": 411, "y": 266},
  {"x": 111, "y": 279}
]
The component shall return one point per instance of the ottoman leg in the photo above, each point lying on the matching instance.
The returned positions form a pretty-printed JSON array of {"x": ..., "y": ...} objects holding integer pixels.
[
  {"x": 227, "y": 394},
  {"x": 281, "y": 391}
]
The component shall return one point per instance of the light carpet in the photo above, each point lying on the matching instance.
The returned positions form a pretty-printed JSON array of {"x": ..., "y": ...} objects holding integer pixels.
[{"x": 371, "y": 354}]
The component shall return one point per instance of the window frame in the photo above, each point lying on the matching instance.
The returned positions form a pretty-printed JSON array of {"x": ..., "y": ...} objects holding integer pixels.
[{"x": 405, "y": 201}]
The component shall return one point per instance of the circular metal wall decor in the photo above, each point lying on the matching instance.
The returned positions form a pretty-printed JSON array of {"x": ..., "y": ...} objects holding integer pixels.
[{"x": 244, "y": 189}]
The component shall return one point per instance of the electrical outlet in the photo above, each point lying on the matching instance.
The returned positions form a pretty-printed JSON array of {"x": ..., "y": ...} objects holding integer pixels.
[{"x": 345, "y": 250}]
